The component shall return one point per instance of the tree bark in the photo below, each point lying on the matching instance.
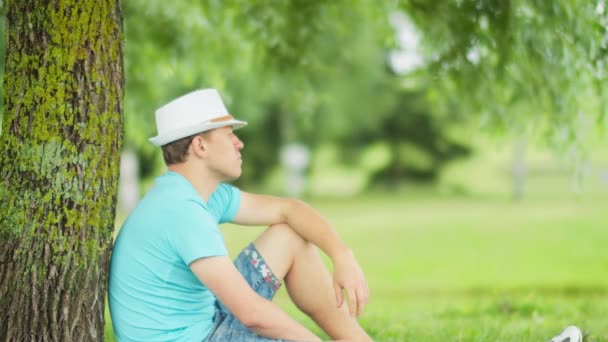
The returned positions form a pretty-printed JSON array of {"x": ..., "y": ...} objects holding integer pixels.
[{"x": 59, "y": 166}]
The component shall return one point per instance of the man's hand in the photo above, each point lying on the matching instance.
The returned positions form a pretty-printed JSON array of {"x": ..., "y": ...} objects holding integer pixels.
[{"x": 348, "y": 276}]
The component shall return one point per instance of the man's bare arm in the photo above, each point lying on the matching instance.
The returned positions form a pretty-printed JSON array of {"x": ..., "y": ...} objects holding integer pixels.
[
  {"x": 308, "y": 223},
  {"x": 255, "y": 312}
]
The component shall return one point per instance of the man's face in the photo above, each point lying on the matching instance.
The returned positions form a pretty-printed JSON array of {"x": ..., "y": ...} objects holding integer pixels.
[{"x": 224, "y": 153}]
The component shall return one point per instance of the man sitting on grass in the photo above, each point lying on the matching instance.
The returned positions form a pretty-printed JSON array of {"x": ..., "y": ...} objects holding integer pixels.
[{"x": 171, "y": 278}]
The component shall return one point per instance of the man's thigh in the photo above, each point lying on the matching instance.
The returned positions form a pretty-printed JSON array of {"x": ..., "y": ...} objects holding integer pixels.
[
  {"x": 257, "y": 273},
  {"x": 279, "y": 244}
]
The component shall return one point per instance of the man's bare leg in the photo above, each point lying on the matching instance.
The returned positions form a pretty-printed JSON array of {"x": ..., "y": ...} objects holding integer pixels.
[{"x": 308, "y": 281}]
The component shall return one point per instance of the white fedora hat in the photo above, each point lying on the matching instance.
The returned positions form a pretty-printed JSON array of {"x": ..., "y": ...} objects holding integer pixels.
[{"x": 196, "y": 112}]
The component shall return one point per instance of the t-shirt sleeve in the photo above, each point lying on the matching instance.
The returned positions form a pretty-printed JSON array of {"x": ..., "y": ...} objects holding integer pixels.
[
  {"x": 195, "y": 235},
  {"x": 224, "y": 203}
]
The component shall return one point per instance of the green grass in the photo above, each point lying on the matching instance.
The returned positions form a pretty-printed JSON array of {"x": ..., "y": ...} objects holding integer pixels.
[{"x": 472, "y": 268}]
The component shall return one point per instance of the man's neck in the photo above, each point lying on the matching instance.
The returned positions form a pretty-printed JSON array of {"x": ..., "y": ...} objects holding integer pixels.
[{"x": 201, "y": 179}]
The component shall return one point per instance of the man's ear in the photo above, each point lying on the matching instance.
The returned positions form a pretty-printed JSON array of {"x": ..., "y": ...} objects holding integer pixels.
[{"x": 199, "y": 146}]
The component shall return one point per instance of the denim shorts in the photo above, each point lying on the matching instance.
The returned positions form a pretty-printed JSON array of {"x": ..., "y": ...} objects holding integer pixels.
[{"x": 256, "y": 272}]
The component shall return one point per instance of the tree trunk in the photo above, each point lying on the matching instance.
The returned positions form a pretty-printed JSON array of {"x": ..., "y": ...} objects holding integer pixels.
[{"x": 59, "y": 166}]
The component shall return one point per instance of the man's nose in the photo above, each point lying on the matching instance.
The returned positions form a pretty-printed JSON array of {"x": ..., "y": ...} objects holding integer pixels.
[{"x": 239, "y": 144}]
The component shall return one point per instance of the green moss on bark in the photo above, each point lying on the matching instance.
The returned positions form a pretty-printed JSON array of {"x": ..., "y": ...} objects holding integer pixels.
[{"x": 59, "y": 156}]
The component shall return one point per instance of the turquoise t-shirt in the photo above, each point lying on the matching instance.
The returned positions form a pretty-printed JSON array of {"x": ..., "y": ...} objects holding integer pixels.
[{"x": 153, "y": 294}]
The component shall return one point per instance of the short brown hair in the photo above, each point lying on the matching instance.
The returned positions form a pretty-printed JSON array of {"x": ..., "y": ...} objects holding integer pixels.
[{"x": 176, "y": 152}]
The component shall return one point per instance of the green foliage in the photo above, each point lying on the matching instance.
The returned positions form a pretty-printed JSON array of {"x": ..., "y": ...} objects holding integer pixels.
[
  {"x": 419, "y": 142},
  {"x": 315, "y": 71},
  {"x": 316, "y": 68},
  {"x": 523, "y": 65}
]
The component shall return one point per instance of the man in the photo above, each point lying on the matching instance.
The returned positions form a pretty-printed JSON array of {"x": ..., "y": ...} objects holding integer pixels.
[{"x": 171, "y": 278}]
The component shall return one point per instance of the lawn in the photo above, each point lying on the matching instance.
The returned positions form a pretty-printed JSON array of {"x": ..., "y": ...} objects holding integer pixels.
[{"x": 472, "y": 268}]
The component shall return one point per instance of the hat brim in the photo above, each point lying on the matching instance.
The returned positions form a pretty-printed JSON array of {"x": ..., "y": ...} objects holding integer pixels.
[{"x": 161, "y": 140}]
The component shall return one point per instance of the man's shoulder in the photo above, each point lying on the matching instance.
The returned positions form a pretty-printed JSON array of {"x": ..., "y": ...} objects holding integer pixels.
[
  {"x": 168, "y": 198},
  {"x": 224, "y": 191},
  {"x": 224, "y": 202},
  {"x": 154, "y": 213},
  {"x": 172, "y": 186}
]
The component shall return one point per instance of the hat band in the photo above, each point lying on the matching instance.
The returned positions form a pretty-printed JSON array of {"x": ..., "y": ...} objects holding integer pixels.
[{"x": 222, "y": 118}]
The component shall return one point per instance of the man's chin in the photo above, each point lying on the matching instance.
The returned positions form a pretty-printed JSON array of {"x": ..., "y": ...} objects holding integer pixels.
[{"x": 233, "y": 177}]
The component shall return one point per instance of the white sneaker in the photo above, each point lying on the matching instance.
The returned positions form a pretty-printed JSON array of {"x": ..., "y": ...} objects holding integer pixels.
[{"x": 570, "y": 334}]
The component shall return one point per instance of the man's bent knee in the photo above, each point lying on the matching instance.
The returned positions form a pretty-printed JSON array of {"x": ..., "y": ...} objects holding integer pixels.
[
  {"x": 283, "y": 233},
  {"x": 279, "y": 244},
  {"x": 290, "y": 237}
]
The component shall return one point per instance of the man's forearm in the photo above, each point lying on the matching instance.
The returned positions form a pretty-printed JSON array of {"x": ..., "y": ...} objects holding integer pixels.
[
  {"x": 347, "y": 276},
  {"x": 313, "y": 227}
]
